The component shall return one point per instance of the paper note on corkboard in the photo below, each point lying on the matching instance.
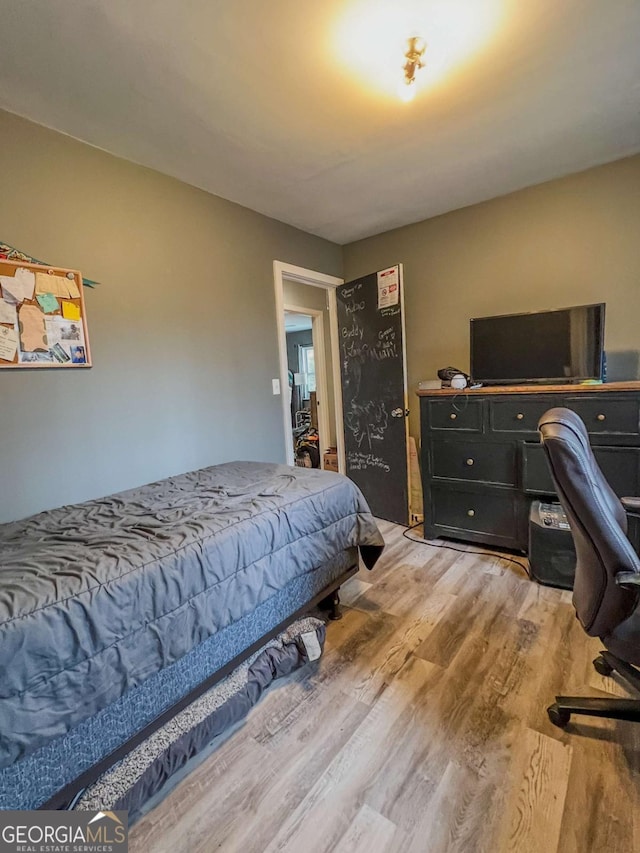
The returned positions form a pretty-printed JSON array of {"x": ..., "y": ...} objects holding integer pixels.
[
  {"x": 7, "y": 312},
  {"x": 8, "y": 343},
  {"x": 56, "y": 284},
  {"x": 70, "y": 311},
  {"x": 33, "y": 335}
]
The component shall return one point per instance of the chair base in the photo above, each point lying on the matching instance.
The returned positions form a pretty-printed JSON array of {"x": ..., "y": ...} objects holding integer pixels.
[{"x": 614, "y": 709}]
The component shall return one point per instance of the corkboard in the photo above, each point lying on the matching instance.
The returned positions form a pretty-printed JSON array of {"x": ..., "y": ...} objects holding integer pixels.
[{"x": 53, "y": 331}]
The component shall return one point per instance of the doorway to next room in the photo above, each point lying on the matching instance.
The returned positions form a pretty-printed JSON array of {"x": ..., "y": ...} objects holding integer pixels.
[
  {"x": 303, "y": 395},
  {"x": 309, "y": 376},
  {"x": 311, "y": 409}
]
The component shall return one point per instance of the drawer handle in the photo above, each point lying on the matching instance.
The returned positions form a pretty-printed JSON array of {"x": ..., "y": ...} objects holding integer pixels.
[
  {"x": 471, "y": 513},
  {"x": 453, "y": 416},
  {"x": 519, "y": 416},
  {"x": 601, "y": 417},
  {"x": 469, "y": 461}
]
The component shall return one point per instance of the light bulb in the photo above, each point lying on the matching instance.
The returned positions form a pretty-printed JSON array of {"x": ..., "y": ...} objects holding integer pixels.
[{"x": 407, "y": 91}]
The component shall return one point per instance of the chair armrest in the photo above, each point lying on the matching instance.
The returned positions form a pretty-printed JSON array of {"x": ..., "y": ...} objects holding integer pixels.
[
  {"x": 628, "y": 580},
  {"x": 631, "y": 504}
]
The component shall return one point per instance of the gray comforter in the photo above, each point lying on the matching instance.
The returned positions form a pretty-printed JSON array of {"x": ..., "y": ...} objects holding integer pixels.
[{"x": 97, "y": 597}]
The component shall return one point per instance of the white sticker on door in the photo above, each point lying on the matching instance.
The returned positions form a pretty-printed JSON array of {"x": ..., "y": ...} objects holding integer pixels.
[{"x": 388, "y": 288}]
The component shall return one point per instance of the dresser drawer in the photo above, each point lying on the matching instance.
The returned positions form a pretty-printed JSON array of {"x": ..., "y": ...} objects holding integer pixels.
[
  {"x": 517, "y": 415},
  {"x": 485, "y": 462},
  {"x": 607, "y": 416},
  {"x": 458, "y": 413},
  {"x": 620, "y": 466},
  {"x": 491, "y": 513},
  {"x": 482, "y": 461}
]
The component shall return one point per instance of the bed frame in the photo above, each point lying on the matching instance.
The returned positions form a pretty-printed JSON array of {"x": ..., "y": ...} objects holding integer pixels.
[{"x": 67, "y": 797}]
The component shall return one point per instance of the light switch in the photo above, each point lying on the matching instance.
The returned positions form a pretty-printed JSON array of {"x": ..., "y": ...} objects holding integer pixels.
[{"x": 276, "y": 386}]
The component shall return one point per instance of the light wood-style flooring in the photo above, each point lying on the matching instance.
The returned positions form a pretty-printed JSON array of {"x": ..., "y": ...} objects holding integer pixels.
[{"x": 422, "y": 729}]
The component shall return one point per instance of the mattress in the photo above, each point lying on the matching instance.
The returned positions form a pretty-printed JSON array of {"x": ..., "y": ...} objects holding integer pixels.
[
  {"x": 98, "y": 597},
  {"x": 30, "y": 782}
]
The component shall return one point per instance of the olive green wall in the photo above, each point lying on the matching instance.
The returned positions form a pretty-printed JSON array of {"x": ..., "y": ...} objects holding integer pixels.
[
  {"x": 567, "y": 242},
  {"x": 182, "y": 327}
]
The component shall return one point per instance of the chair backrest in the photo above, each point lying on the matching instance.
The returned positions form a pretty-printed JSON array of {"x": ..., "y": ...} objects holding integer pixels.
[{"x": 598, "y": 523}]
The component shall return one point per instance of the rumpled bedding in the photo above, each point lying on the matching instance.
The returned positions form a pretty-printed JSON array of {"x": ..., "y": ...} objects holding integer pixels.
[{"x": 97, "y": 597}]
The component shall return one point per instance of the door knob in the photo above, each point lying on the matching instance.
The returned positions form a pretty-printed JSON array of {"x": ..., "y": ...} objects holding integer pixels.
[
  {"x": 471, "y": 513},
  {"x": 519, "y": 416},
  {"x": 469, "y": 461},
  {"x": 453, "y": 416},
  {"x": 601, "y": 417}
]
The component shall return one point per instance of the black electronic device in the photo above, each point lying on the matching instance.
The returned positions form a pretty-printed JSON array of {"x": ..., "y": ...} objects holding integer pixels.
[
  {"x": 546, "y": 346},
  {"x": 446, "y": 375},
  {"x": 552, "y": 556}
]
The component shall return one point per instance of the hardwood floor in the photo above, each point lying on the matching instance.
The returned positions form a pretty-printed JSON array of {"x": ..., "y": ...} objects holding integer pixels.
[{"x": 422, "y": 728}]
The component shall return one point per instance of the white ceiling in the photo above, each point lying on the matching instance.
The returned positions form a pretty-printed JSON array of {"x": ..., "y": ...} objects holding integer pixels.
[{"x": 289, "y": 106}]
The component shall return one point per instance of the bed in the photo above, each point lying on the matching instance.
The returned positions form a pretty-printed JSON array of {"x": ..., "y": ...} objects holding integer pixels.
[{"x": 115, "y": 611}]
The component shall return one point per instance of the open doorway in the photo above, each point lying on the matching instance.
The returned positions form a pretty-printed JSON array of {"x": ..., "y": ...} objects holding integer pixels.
[
  {"x": 308, "y": 435},
  {"x": 309, "y": 369}
]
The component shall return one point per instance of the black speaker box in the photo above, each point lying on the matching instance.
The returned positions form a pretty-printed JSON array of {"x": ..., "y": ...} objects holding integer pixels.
[{"x": 552, "y": 557}]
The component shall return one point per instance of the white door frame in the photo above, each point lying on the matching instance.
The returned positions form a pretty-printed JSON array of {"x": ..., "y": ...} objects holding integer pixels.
[
  {"x": 317, "y": 338},
  {"x": 289, "y": 272}
]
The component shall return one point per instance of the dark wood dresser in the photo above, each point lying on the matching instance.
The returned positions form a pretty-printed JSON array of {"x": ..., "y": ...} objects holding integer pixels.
[{"x": 482, "y": 462}]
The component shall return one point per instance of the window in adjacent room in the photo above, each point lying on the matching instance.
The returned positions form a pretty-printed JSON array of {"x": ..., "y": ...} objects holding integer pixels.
[{"x": 308, "y": 370}]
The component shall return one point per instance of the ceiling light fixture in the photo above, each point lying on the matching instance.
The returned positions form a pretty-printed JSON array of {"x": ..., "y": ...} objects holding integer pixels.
[{"x": 415, "y": 51}]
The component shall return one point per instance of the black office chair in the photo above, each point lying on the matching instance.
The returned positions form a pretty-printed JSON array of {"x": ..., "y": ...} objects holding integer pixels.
[{"x": 606, "y": 592}]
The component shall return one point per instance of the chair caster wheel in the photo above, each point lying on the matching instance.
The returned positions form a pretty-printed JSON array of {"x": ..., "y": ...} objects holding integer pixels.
[
  {"x": 558, "y": 717},
  {"x": 601, "y": 666}
]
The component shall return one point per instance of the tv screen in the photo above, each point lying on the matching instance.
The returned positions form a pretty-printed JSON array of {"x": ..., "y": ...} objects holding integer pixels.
[{"x": 547, "y": 346}]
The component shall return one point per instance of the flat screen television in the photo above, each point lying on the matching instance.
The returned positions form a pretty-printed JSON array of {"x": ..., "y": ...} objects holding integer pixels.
[{"x": 546, "y": 346}]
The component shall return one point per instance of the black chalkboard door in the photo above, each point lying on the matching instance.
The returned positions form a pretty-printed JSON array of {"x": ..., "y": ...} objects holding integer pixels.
[{"x": 374, "y": 390}]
